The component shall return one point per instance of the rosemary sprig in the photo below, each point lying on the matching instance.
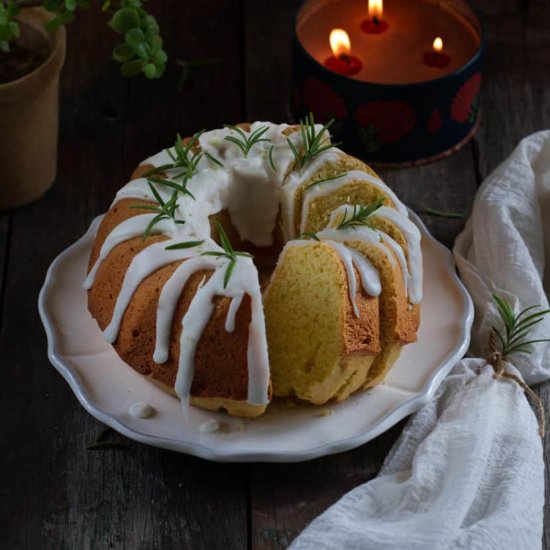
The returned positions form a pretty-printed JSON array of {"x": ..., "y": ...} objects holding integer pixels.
[
  {"x": 164, "y": 210},
  {"x": 187, "y": 244},
  {"x": 310, "y": 236},
  {"x": 228, "y": 253},
  {"x": 324, "y": 180},
  {"x": 184, "y": 159},
  {"x": 360, "y": 215},
  {"x": 271, "y": 158},
  {"x": 103, "y": 441},
  {"x": 517, "y": 327},
  {"x": 179, "y": 187},
  {"x": 442, "y": 213},
  {"x": 245, "y": 141},
  {"x": 312, "y": 141}
]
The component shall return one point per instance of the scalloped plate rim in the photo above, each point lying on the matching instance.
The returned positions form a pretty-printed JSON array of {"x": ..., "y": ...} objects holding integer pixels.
[{"x": 196, "y": 449}]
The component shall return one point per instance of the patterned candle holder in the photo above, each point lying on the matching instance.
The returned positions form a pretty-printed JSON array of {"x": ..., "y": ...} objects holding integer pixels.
[{"x": 392, "y": 124}]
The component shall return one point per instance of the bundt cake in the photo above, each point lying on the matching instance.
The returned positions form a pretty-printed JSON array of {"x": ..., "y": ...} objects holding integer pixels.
[{"x": 254, "y": 260}]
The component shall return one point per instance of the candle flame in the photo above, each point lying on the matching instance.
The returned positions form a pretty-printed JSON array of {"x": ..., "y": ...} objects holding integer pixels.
[
  {"x": 376, "y": 8},
  {"x": 339, "y": 42},
  {"x": 438, "y": 45}
]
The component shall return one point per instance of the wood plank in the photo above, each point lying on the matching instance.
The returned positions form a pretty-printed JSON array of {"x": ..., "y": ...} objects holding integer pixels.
[
  {"x": 60, "y": 495},
  {"x": 516, "y": 103},
  {"x": 5, "y": 226},
  {"x": 268, "y": 42}
]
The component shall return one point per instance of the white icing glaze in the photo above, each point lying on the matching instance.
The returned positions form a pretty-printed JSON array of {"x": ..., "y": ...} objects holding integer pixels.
[
  {"x": 141, "y": 410},
  {"x": 251, "y": 189},
  {"x": 128, "y": 229},
  {"x": 294, "y": 181},
  {"x": 347, "y": 260},
  {"x": 143, "y": 264},
  {"x": 329, "y": 187},
  {"x": 243, "y": 280},
  {"x": 414, "y": 254},
  {"x": 168, "y": 301},
  {"x": 232, "y": 312},
  {"x": 400, "y": 255},
  {"x": 411, "y": 268}
]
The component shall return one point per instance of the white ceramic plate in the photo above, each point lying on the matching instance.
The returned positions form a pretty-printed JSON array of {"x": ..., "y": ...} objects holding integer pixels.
[{"x": 106, "y": 386}]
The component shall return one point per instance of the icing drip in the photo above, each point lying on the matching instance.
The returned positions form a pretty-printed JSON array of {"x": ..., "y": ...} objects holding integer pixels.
[
  {"x": 352, "y": 259},
  {"x": 331, "y": 186},
  {"x": 347, "y": 260},
  {"x": 414, "y": 256},
  {"x": 400, "y": 258},
  {"x": 128, "y": 229},
  {"x": 232, "y": 312},
  {"x": 143, "y": 264},
  {"x": 295, "y": 180},
  {"x": 370, "y": 278},
  {"x": 411, "y": 267},
  {"x": 168, "y": 301},
  {"x": 243, "y": 280}
]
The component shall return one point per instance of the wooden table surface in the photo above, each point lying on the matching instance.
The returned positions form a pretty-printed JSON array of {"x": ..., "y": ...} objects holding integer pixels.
[{"x": 54, "y": 493}]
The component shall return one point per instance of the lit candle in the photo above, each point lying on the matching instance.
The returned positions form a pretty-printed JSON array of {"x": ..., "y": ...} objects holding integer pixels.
[
  {"x": 375, "y": 24},
  {"x": 437, "y": 58},
  {"x": 341, "y": 61}
]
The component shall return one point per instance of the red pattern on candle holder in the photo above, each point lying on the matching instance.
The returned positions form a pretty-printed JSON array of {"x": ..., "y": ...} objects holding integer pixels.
[
  {"x": 384, "y": 122},
  {"x": 465, "y": 102},
  {"x": 434, "y": 122},
  {"x": 322, "y": 101}
]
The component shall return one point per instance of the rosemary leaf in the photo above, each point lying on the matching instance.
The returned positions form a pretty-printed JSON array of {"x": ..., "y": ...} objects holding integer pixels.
[
  {"x": 228, "y": 272},
  {"x": 360, "y": 215},
  {"x": 271, "y": 158},
  {"x": 187, "y": 244},
  {"x": 517, "y": 327},
  {"x": 324, "y": 180},
  {"x": 442, "y": 213},
  {"x": 310, "y": 235},
  {"x": 213, "y": 159}
]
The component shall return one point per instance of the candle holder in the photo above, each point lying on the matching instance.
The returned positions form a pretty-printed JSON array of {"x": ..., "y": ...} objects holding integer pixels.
[{"x": 391, "y": 124}]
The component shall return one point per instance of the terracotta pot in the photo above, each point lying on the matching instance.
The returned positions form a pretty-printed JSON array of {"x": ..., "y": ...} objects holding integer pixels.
[{"x": 29, "y": 108}]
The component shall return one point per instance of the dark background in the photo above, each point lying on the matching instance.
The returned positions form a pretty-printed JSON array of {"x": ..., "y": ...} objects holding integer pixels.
[{"x": 54, "y": 494}]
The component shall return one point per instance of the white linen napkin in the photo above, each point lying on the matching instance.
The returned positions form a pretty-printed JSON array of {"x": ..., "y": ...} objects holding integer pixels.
[{"x": 467, "y": 472}]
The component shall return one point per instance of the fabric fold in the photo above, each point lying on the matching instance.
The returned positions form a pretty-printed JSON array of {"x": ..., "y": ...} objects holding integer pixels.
[{"x": 467, "y": 472}]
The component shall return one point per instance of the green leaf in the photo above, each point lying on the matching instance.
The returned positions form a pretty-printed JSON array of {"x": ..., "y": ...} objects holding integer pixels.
[
  {"x": 134, "y": 37},
  {"x": 160, "y": 57},
  {"x": 224, "y": 241},
  {"x": 123, "y": 53},
  {"x": 70, "y": 5},
  {"x": 125, "y": 19},
  {"x": 188, "y": 244},
  {"x": 442, "y": 213},
  {"x": 131, "y": 68},
  {"x": 144, "y": 50},
  {"x": 311, "y": 236},
  {"x": 228, "y": 272},
  {"x": 150, "y": 71}
]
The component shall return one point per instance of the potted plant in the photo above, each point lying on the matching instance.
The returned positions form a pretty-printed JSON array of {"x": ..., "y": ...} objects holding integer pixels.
[{"x": 32, "y": 52}]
